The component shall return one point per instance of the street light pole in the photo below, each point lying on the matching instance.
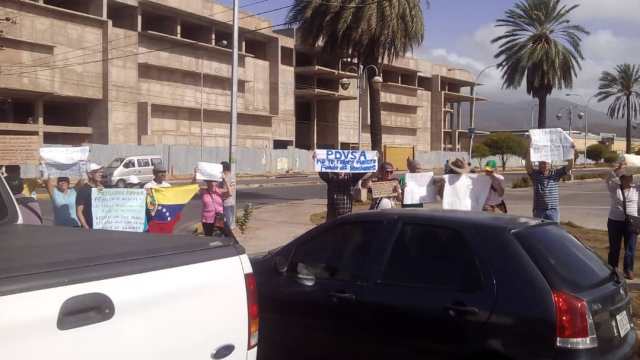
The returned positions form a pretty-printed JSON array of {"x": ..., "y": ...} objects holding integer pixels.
[
  {"x": 202, "y": 108},
  {"x": 473, "y": 94},
  {"x": 585, "y": 113}
]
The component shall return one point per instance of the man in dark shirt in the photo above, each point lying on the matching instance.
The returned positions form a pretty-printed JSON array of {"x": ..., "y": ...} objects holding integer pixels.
[
  {"x": 339, "y": 192},
  {"x": 83, "y": 199}
]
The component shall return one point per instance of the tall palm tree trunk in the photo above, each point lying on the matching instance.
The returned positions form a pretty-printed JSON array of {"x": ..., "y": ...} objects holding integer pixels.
[
  {"x": 628, "y": 124},
  {"x": 375, "y": 114},
  {"x": 542, "y": 111}
]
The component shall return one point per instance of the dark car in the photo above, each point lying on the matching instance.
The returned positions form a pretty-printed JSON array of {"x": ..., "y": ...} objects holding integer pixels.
[{"x": 416, "y": 284}]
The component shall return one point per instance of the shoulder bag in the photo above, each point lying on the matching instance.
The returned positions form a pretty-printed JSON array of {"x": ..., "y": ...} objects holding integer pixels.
[{"x": 633, "y": 222}]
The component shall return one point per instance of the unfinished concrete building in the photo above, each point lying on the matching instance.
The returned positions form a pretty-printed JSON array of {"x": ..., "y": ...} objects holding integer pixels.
[{"x": 141, "y": 72}]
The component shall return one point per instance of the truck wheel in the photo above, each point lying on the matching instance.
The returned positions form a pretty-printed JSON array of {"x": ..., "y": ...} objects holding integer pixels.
[{"x": 120, "y": 183}]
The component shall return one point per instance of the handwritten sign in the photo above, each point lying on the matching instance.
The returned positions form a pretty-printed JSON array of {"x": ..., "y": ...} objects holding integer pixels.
[
  {"x": 209, "y": 171},
  {"x": 550, "y": 145},
  {"x": 465, "y": 192},
  {"x": 348, "y": 161},
  {"x": 65, "y": 161},
  {"x": 119, "y": 209},
  {"x": 382, "y": 189},
  {"x": 420, "y": 188},
  {"x": 19, "y": 149}
]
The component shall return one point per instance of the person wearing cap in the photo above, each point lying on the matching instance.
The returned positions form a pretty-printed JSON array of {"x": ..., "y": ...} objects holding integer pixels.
[
  {"x": 84, "y": 210},
  {"x": 546, "y": 197},
  {"x": 385, "y": 174},
  {"x": 414, "y": 167},
  {"x": 623, "y": 194},
  {"x": 495, "y": 199},
  {"x": 159, "y": 178},
  {"x": 63, "y": 198},
  {"x": 27, "y": 206}
]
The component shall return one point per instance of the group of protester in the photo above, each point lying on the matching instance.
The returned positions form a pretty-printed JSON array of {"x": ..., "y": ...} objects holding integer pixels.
[{"x": 72, "y": 205}]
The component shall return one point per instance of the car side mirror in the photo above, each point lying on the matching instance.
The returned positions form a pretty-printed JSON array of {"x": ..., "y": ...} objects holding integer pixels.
[
  {"x": 304, "y": 276},
  {"x": 281, "y": 264}
]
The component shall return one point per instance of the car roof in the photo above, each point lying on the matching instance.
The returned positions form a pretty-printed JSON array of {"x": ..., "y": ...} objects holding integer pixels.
[
  {"x": 450, "y": 217},
  {"x": 142, "y": 157}
]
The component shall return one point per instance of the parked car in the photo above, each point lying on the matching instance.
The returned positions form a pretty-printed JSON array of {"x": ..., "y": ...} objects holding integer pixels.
[
  {"x": 76, "y": 294},
  {"x": 416, "y": 284},
  {"x": 121, "y": 168}
]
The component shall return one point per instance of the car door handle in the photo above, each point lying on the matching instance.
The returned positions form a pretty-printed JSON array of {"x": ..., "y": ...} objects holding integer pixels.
[
  {"x": 461, "y": 310},
  {"x": 83, "y": 310},
  {"x": 342, "y": 296}
]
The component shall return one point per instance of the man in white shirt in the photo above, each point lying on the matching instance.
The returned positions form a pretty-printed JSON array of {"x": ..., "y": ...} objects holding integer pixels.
[{"x": 159, "y": 177}]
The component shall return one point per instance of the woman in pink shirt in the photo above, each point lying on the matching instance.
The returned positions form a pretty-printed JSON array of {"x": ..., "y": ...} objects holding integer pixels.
[{"x": 212, "y": 206}]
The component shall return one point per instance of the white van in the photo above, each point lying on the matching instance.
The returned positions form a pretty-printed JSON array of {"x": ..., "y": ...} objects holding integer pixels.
[{"x": 116, "y": 173}]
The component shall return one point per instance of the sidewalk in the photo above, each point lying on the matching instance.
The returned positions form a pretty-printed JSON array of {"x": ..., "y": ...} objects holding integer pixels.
[{"x": 272, "y": 226}]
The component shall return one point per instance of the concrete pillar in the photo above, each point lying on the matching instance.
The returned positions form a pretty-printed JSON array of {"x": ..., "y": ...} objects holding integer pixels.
[
  {"x": 314, "y": 124},
  {"x": 39, "y": 118},
  {"x": 213, "y": 35},
  {"x": 179, "y": 27},
  {"x": 139, "y": 19}
]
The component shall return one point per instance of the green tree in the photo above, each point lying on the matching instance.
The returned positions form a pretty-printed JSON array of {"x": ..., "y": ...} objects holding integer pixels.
[
  {"x": 368, "y": 31},
  {"x": 505, "y": 144},
  {"x": 622, "y": 86},
  {"x": 596, "y": 152},
  {"x": 542, "y": 45},
  {"x": 480, "y": 152}
]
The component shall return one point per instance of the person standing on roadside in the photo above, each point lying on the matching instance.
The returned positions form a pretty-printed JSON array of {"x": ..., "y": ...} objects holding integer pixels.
[
  {"x": 546, "y": 197},
  {"x": 27, "y": 205},
  {"x": 159, "y": 178},
  {"x": 624, "y": 203},
  {"x": 212, "y": 197},
  {"x": 385, "y": 174},
  {"x": 84, "y": 210},
  {"x": 230, "y": 201},
  {"x": 495, "y": 199},
  {"x": 63, "y": 198},
  {"x": 414, "y": 167}
]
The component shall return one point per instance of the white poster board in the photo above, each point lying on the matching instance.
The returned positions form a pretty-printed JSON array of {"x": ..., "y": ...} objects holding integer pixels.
[
  {"x": 419, "y": 189},
  {"x": 65, "y": 161},
  {"x": 632, "y": 160},
  {"x": 209, "y": 171},
  {"x": 550, "y": 145},
  {"x": 347, "y": 161},
  {"x": 465, "y": 192},
  {"x": 119, "y": 209}
]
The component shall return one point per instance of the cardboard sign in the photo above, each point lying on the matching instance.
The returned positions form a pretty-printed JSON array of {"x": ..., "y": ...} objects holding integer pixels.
[
  {"x": 465, "y": 192},
  {"x": 550, "y": 145},
  {"x": 419, "y": 188},
  {"x": 19, "y": 150},
  {"x": 119, "y": 209},
  {"x": 209, "y": 171},
  {"x": 347, "y": 161},
  {"x": 383, "y": 189}
]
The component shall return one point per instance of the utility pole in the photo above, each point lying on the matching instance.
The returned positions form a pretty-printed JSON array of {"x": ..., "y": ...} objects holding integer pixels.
[
  {"x": 233, "y": 131},
  {"x": 202, "y": 108}
]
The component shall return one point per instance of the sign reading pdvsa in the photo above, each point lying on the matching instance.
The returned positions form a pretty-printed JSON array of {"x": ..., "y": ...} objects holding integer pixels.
[{"x": 347, "y": 161}]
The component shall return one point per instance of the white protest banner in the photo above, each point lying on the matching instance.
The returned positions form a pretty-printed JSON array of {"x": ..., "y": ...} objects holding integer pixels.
[
  {"x": 632, "y": 160},
  {"x": 209, "y": 171},
  {"x": 550, "y": 145},
  {"x": 465, "y": 192},
  {"x": 419, "y": 188},
  {"x": 119, "y": 209},
  {"x": 65, "y": 161},
  {"x": 347, "y": 161}
]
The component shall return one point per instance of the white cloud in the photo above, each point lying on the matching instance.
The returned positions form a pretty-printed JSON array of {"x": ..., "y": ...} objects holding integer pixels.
[{"x": 615, "y": 10}]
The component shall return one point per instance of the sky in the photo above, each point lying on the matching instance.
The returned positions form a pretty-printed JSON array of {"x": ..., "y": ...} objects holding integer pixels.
[{"x": 459, "y": 33}]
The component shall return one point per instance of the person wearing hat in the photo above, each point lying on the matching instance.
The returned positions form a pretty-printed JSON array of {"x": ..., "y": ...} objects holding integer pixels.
[
  {"x": 84, "y": 210},
  {"x": 159, "y": 178},
  {"x": 63, "y": 198},
  {"x": 495, "y": 199},
  {"x": 414, "y": 167}
]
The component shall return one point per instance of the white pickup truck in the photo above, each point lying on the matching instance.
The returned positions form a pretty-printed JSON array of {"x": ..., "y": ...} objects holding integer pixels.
[{"x": 76, "y": 294}]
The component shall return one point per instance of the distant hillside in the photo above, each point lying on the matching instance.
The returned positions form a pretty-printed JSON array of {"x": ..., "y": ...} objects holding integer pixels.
[{"x": 494, "y": 115}]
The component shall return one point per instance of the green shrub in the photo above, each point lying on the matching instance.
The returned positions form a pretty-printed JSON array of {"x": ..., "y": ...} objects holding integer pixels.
[
  {"x": 611, "y": 157},
  {"x": 523, "y": 182},
  {"x": 596, "y": 152}
]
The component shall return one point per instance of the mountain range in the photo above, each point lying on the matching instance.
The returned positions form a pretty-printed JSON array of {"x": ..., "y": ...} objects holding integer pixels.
[{"x": 495, "y": 115}]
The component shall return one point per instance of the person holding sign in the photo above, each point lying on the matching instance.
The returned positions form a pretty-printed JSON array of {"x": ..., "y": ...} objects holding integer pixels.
[
  {"x": 624, "y": 204},
  {"x": 63, "y": 198},
  {"x": 84, "y": 210},
  {"x": 414, "y": 167},
  {"x": 212, "y": 197},
  {"x": 385, "y": 190},
  {"x": 546, "y": 198},
  {"x": 495, "y": 199}
]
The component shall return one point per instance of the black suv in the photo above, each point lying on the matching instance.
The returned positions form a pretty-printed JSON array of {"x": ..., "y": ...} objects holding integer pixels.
[{"x": 415, "y": 284}]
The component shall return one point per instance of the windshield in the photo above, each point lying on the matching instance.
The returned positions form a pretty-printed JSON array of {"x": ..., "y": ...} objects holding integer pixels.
[
  {"x": 563, "y": 260},
  {"x": 115, "y": 163}
]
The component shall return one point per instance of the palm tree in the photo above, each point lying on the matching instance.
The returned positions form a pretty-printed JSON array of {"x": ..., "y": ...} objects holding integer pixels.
[
  {"x": 369, "y": 31},
  {"x": 623, "y": 87},
  {"x": 541, "y": 44}
]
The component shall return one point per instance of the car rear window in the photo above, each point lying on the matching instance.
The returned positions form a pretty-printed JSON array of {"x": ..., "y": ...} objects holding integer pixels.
[{"x": 563, "y": 260}]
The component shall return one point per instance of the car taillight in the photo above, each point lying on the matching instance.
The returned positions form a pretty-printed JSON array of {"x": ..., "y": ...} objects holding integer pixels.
[
  {"x": 252, "y": 308},
  {"x": 574, "y": 325}
]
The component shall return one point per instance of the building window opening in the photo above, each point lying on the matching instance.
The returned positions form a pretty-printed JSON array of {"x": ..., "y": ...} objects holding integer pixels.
[
  {"x": 17, "y": 111},
  {"x": 196, "y": 32},
  {"x": 303, "y": 59},
  {"x": 286, "y": 56},
  {"x": 89, "y": 7},
  {"x": 159, "y": 23},
  {"x": 223, "y": 39},
  {"x": 256, "y": 48},
  {"x": 282, "y": 144},
  {"x": 425, "y": 83},
  {"x": 408, "y": 79},
  {"x": 66, "y": 114},
  {"x": 328, "y": 84},
  {"x": 122, "y": 16},
  {"x": 391, "y": 77}
]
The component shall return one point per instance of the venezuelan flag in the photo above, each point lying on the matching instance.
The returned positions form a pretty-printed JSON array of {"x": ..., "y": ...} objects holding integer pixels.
[{"x": 165, "y": 206}]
